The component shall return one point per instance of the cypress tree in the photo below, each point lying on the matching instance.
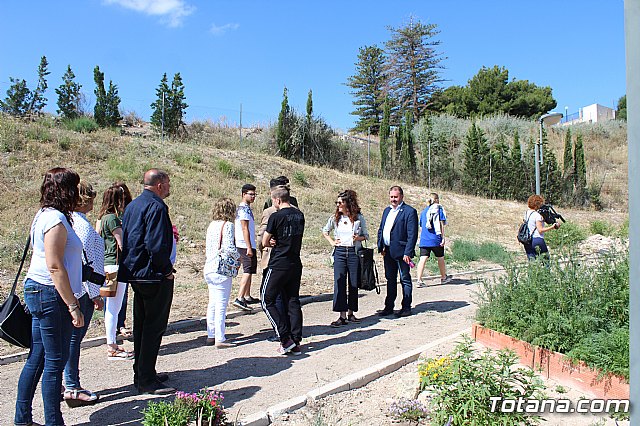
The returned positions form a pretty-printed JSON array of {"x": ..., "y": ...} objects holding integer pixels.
[
  {"x": 499, "y": 156},
  {"x": 550, "y": 174},
  {"x": 385, "y": 130},
  {"x": 69, "y": 95},
  {"x": 407, "y": 151},
  {"x": 475, "y": 178},
  {"x": 112, "y": 106},
  {"x": 519, "y": 187},
  {"x": 581, "y": 194},
  {"x": 568, "y": 167},
  {"x": 177, "y": 105},
  {"x": 100, "y": 109},
  {"x": 283, "y": 127}
]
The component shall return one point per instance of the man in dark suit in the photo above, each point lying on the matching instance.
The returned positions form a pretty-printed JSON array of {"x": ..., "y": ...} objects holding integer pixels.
[{"x": 397, "y": 237}]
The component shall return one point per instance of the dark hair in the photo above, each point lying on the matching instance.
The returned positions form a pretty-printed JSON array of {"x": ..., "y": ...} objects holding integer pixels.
[
  {"x": 115, "y": 199},
  {"x": 535, "y": 201},
  {"x": 59, "y": 190},
  {"x": 396, "y": 188},
  {"x": 350, "y": 203},
  {"x": 248, "y": 187},
  {"x": 279, "y": 181}
]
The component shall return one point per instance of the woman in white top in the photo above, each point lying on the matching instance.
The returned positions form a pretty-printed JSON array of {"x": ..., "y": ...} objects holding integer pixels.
[
  {"x": 53, "y": 279},
  {"x": 88, "y": 298},
  {"x": 220, "y": 236},
  {"x": 535, "y": 222},
  {"x": 349, "y": 230}
]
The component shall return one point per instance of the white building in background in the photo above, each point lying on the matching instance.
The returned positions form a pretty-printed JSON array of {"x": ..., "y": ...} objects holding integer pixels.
[{"x": 593, "y": 113}]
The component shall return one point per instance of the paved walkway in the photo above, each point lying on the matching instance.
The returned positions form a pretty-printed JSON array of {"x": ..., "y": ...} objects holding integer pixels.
[{"x": 252, "y": 375}]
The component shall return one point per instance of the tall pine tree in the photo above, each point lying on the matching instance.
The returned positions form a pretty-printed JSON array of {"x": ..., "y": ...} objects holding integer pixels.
[
  {"x": 159, "y": 106},
  {"x": 18, "y": 98},
  {"x": 38, "y": 101},
  {"x": 112, "y": 106},
  {"x": 368, "y": 84},
  {"x": 100, "y": 108},
  {"x": 69, "y": 96}
]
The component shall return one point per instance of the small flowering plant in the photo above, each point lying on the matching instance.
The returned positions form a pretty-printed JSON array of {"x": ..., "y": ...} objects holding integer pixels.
[
  {"x": 408, "y": 409},
  {"x": 206, "y": 406}
]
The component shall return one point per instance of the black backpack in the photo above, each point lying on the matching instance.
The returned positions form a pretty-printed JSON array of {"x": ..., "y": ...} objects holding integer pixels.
[
  {"x": 368, "y": 270},
  {"x": 524, "y": 236}
]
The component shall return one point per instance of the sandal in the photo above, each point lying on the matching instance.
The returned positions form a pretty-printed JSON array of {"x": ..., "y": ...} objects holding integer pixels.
[
  {"x": 353, "y": 318},
  {"x": 125, "y": 333},
  {"x": 119, "y": 354},
  {"x": 339, "y": 322},
  {"x": 73, "y": 399}
]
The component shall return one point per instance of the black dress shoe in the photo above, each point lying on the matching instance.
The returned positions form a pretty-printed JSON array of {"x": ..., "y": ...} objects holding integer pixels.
[
  {"x": 403, "y": 313},
  {"x": 384, "y": 312},
  {"x": 156, "y": 388},
  {"x": 161, "y": 377}
]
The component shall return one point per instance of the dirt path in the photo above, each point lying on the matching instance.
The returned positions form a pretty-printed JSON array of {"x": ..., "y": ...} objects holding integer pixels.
[{"x": 252, "y": 375}]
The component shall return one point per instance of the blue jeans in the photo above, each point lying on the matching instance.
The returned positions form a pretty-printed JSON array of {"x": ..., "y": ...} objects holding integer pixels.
[
  {"x": 536, "y": 248},
  {"x": 71, "y": 370},
  {"x": 346, "y": 270},
  {"x": 391, "y": 269},
  {"x": 51, "y": 329}
]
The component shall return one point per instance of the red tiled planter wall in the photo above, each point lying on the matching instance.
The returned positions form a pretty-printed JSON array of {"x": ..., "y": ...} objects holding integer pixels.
[{"x": 555, "y": 365}]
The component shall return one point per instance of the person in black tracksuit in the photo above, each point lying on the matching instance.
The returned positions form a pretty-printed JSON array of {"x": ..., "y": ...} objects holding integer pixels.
[
  {"x": 147, "y": 242},
  {"x": 284, "y": 234}
]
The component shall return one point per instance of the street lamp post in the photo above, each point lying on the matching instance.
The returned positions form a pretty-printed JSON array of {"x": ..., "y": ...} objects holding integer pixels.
[{"x": 549, "y": 119}]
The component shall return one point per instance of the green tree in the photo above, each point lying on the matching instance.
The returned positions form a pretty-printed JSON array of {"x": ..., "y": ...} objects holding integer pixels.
[
  {"x": 385, "y": 132},
  {"x": 112, "y": 106},
  {"x": 307, "y": 124},
  {"x": 38, "y": 101},
  {"x": 413, "y": 66},
  {"x": 519, "y": 186},
  {"x": 580, "y": 173},
  {"x": 499, "y": 169},
  {"x": 159, "y": 106},
  {"x": 621, "y": 113},
  {"x": 69, "y": 96},
  {"x": 568, "y": 167},
  {"x": 284, "y": 127},
  {"x": 368, "y": 88},
  {"x": 475, "y": 178},
  {"x": 407, "y": 150},
  {"x": 18, "y": 98},
  {"x": 550, "y": 175},
  {"x": 100, "y": 108}
]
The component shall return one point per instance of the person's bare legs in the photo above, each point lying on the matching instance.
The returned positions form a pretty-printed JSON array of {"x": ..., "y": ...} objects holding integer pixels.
[
  {"x": 442, "y": 267},
  {"x": 420, "y": 268},
  {"x": 245, "y": 286}
]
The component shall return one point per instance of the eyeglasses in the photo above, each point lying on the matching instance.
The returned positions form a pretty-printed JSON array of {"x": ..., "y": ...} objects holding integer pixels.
[
  {"x": 338, "y": 203},
  {"x": 251, "y": 194}
]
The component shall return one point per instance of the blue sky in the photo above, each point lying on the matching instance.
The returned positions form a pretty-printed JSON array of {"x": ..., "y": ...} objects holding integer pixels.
[{"x": 244, "y": 52}]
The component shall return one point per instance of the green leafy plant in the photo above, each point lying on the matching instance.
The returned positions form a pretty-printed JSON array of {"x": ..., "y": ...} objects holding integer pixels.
[
  {"x": 565, "y": 237},
  {"x": 462, "y": 383},
  {"x": 231, "y": 171},
  {"x": 204, "y": 407},
  {"x": 164, "y": 413},
  {"x": 300, "y": 179},
  {"x": 467, "y": 251},
  {"x": 601, "y": 227},
  {"x": 564, "y": 306},
  {"x": 64, "y": 143}
]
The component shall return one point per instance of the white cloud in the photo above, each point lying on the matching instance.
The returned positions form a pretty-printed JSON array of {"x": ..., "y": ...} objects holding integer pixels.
[
  {"x": 221, "y": 29},
  {"x": 172, "y": 12}
]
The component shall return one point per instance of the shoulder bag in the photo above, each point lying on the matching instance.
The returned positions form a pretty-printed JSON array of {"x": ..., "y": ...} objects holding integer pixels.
[
  {"x": 368, "y": 271},
  {"x": 15, "y": 318},
  {"x": 228, "y": 260}
]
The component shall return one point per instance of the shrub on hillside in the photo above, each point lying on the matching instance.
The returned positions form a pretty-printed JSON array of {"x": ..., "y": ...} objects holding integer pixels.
[
  {"x": 81, "y": 125},
  {"x": 467, "y": 251},
  {"x": 601, "y": 227}
]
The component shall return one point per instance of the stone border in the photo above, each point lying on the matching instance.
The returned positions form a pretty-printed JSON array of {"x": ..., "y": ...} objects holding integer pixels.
[{"x": 350, "y": 382}]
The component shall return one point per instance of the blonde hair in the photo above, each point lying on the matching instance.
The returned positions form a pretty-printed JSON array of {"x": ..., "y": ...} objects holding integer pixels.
[
  {"x": 433, "y": 198},
  {"x": 86, "y": 193},
  {"x": 224, "y": 209}
]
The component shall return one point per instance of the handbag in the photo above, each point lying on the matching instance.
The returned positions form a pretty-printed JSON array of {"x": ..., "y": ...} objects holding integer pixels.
[
  {"x": 228, "y": 260},
  {"x": 15, "y": 318},
  {"x": 368, "y": 271},
  {"x": 110, "y": 286}
]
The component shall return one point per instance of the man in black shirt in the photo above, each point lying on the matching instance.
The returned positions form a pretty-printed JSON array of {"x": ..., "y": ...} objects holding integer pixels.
[{"x": 284, "y": 235}]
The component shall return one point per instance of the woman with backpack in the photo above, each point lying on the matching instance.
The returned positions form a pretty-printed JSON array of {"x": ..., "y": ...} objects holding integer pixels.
[
  {"x": 535, "y": 224},
  {"x": 349, "y": 230}
]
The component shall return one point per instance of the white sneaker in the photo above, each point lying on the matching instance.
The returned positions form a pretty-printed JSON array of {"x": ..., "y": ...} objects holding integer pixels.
[
  {"x": 446, "y": 280},
  {"x": 420, "y": 284}
]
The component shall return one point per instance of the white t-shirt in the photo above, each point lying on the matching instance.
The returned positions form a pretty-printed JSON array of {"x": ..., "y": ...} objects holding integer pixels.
[
  {"x": 534, "y": 217},
  {"x": 244, "y": 213},
  {"x": 72, "y": 259},
  {"x": 343, "y": 231}
]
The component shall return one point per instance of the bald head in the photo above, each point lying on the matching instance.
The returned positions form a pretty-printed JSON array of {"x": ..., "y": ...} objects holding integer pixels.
[{"x": 157, "y": 181}]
